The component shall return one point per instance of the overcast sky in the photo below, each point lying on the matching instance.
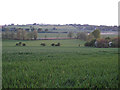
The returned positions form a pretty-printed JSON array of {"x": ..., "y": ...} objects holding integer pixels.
[{"x": 93, "y": 12}]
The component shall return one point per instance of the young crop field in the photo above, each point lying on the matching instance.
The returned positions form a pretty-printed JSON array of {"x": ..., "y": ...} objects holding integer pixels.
[
  {"x": 52, "y": 35},
  {"x": 65, "y": 66},
  {"x": 58, "y": 35}
]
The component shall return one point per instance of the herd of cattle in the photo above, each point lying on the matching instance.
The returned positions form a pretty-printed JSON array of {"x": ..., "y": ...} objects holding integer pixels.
[
  {"x": 53, "y": 44},
  {"x": 58, "y": 44},
  {"x": 20, "y": 44},
  {"x": 42, "y": 44}
]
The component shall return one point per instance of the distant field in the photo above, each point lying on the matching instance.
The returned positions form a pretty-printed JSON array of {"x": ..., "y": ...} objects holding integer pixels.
[
  {"x": 59, "y": 28},
  {"x": 62, "y": 28},
  {"x": 111, "y": 35},
  {"x": 57, "y": 35},
  {"x": 35, "y": 66},
  {"x": 52, "y": 35}
]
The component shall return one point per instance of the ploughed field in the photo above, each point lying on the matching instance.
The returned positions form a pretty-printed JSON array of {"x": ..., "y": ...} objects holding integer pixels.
[{"x": 35, "y": 66}]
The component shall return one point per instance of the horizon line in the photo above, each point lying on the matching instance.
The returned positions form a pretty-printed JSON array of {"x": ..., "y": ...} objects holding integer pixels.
[{"x": 57, "y": 24}]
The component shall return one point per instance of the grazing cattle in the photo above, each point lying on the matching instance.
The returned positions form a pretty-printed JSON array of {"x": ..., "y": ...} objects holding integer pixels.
[
  {"x": 20, "y": 42},
  {"x": 42, "y": 44},
  {"x": 16, "y": 44},
  {"x": 95, "y": 43},
  {"x": 58, "y": 44},
  {"x": 23, "y": 44},
  {"x": 110, "y": 44},
  {"x": 52, "y": 44},
  {"x": 79, "y": 45}
]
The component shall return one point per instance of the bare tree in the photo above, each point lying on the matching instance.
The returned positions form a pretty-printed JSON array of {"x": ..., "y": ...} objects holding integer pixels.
[
  {"x": 12, "y": 35},
  {"x": 19, "y": 34},
  {"x": 35, "y": 33},
  {"x": 82, "y": 36},
  {"x": 30, "y": 35},
  {"x": 70, "y": 34},
  {"x": 7, "y": 33},
  {"x": 23, "y": 34}
]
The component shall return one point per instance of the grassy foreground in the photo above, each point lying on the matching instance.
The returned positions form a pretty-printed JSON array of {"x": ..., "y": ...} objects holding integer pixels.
[{"x": 35, "y": 66}]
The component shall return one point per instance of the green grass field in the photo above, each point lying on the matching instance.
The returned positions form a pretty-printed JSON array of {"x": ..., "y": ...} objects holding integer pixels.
[
  {"x": 57, "y": 35},
  {"x": 51, "y": 35},
  {"x": 34, "y": 66}
]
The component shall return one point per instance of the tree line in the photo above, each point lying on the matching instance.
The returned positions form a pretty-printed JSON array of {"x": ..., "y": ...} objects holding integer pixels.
[
  {"x": 85, "y": 36},
  {"x": 20, "y": 34}
]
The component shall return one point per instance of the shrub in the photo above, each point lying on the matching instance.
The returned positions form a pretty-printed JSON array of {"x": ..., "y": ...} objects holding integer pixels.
[
  {"x": 87, "y": 43},
  {"x": 107, "y": 38},
  {"x": 102, "y": 43},
  {"x": 90, "y": 37},
  {"x": 90, "y": 43},
  {"x": 116, "y": 42}
]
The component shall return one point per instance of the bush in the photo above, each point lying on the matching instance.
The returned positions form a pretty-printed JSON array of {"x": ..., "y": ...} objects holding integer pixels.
[
  {"x": 116, "y": 42},
  {"x": 90, "y": 43},
  {"x": 90, "y": 37},
  {"x": 107, "y": 38},
  {"x": 102, "y": 43},
  {"x": 87, "y": 43}
]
